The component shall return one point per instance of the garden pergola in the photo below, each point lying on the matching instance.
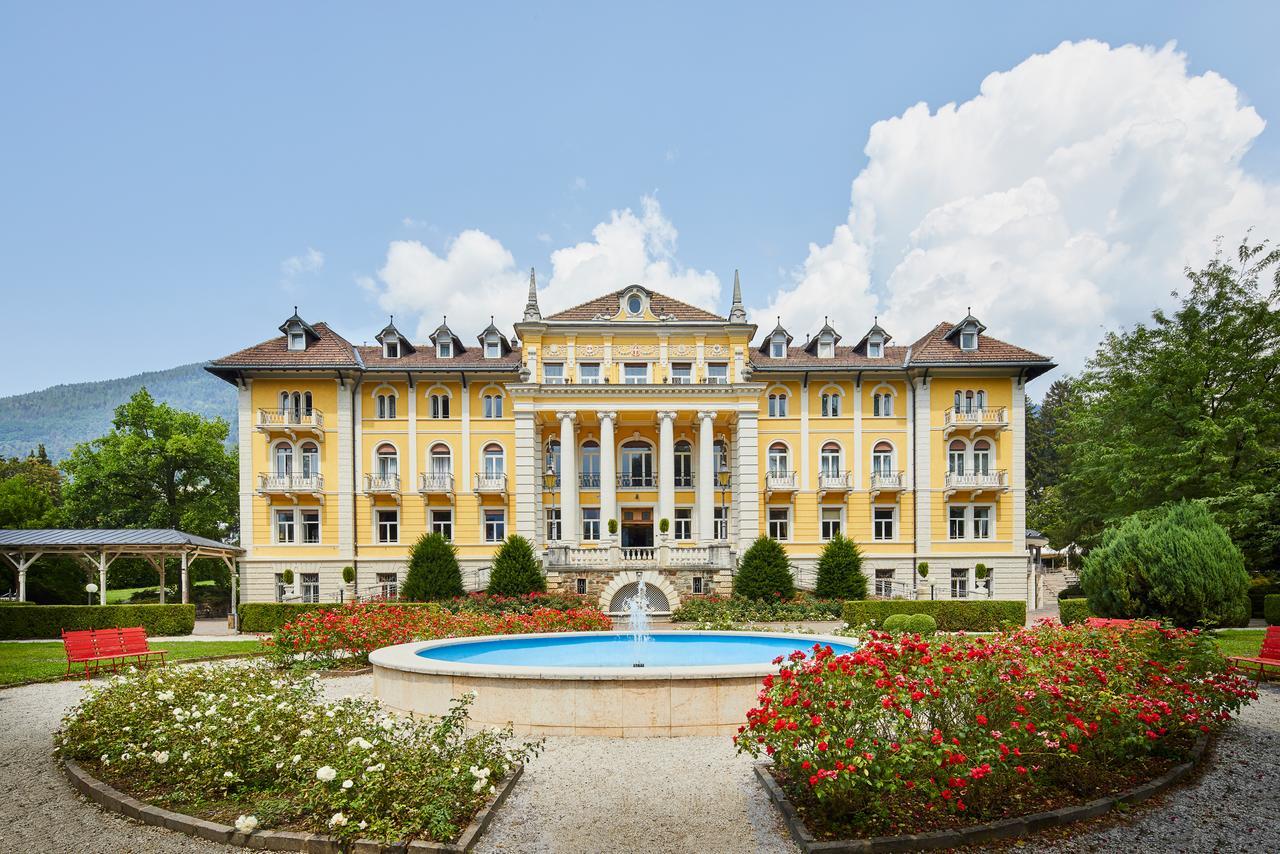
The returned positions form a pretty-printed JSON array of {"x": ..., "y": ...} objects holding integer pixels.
[{"x": 100, "y": 547}]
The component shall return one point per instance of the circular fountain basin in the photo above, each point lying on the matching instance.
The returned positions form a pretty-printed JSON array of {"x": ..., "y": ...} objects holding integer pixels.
[{"x": 587, "y": 683}]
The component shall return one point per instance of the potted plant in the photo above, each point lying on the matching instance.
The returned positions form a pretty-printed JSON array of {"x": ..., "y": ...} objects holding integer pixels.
[
  {"x": 922, "y": 572},
  {"x": 613, "y": 527},
  {"x": 983, "y": 573},
  {"x": 923, "y": 569},
  {"x": 664, "y": 525},
  {"x": 349, "y": 578}
]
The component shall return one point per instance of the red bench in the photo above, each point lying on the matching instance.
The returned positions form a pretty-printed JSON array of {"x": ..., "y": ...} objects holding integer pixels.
[
  {"x": 95, "y": 647},
  {"x": 1104, "y": 623},
  {"x": 1268, "y": 656}
]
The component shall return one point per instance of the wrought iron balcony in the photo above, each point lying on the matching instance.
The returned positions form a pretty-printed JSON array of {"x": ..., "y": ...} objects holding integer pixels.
[{"x": 636, "y": 481}]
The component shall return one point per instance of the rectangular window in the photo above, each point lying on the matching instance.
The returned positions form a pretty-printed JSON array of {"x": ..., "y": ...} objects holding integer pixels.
[
  {"x": 683, "y": 523},
  {"x": 581, "y": 587},
  {"x": 297, "y": 341},
  {"x": 442, "y": 523},
  {"x": 439, "y": 406},
  {"x": 590, "y": 524},
  {"x": 553, "y": 373},
  {"x": 955, "y": 523},
  {"x": 492, "y": 349},
  {"x": 282, "y": 590},
  {"x": 826, "y": 349},
  {"x": 982, "y": 523},
  {"x": 718, "y": 373},
  {"x": 778, "y": 348},
  {"x": 873, "y": 349},
  {"x": 882, "y": 523},
  {"x": 444, "y": 348},
  {"x": 285, "y": 531},
  {"x": 635, "y": 374},
  {"x": 589, "y": 373},
  {"x": 391, "y": 349},
  {"x": 681, "y": 373},
  {"x": 310, "y": 587},
  {"x": 388, "y": 526},
  {"x": 697, "y": 584},
  {"x": 830, "y": 522},
  {"x": 959, "y": 583},
  {"x": 884, "y": 582},
  {"x": 780, "y": 523},
  {"x": 495, "y": 526},
  {"x": 720, "y": 523},
  {"x": 968, "y": 341},
  {"x": 554, "y": 532},
  {"x": 388, "y": 585},
  {"x": 311, "y": 526}
]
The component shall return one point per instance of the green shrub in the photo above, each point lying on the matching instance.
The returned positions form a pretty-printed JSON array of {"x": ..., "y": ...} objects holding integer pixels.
[
  {"x": 1071, "y": 591},
  {"x": 952, "y": 615},
  {"x": 516, "y": 571},
  {"x": 23, "y": 622},
  {"x": 1260, "y": 587},
  {"x": 840, "y": 574},
  {"x": 737, "y": 609},
  {"x": 921, "y": 624},
  {"x": 1174, "y": 563},
  {"x": 896, "y": 623},
  {"x": 1073, "y": 611},
  {"x": 348, "y": 574},
  {"x": 433, "y": 571},
  {"x": 1271, "y": 609},
  {"x": 764, "y": 572},
  {"x": 269, "y": 616},
  {"x": 922, "y": 569}
]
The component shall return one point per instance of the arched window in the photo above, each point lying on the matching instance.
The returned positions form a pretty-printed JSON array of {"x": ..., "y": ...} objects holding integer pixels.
[
  {"x": 830, "y": 404},
  {"x": 636, "y": 467},
  {"x": 684, "y": 463},
  {"x": 779, "y": 459},
  {"x": 955, "y": 457},
  {"x": 589, "y": 465},
  {"x": 306, "y": 403},
  {"x": 829, "y": 459},
  {"x": 493, "y": 405},
  {"x": 387, "y": 460},
  {"x": 310, "y": 459},
  {"x": 494, "y": 460},
  {"x": 284, "y": 458},
  {"x": 441, "y": 459},
  {"x": 439, "y": 405},
  {"x": 981, "y": 399},
  {"x": 284, "y": 402},
  {"x": 778, "y": 404},
  {"x": 386, "y": 405},
  {"x": 981, "y": 457},
  {"x": 959, "y": 400},
  {"x": 551, "y": 460},
  {"x": 968, "y": 401},
  {"x": 882, "y": 458},
  {"x": 882, "y": 404}
]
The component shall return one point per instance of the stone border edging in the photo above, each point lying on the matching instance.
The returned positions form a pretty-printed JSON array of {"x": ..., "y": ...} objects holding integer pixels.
[
  {"x": 276, "y": 840},
  {"x": 977, "y": 834}
]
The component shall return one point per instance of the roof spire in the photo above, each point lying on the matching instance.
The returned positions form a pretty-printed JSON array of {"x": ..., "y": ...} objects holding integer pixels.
[
  {"x": 737, "y": 313},
  {"x": 531, "y": 311}
]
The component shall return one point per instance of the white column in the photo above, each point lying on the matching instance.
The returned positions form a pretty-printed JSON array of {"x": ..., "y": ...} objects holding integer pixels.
[
  {"x": 608, "y": 473},
  {"x": 570, "y": 522},
  {"x": 186, "y": 586},
  {"x": 705, "y": 496},
  {"x": 666, "y": 466},
  {"x": 160, "y": 569},
  {"x": 102, "y": 578},
  {"x": 22, "y": 584}
]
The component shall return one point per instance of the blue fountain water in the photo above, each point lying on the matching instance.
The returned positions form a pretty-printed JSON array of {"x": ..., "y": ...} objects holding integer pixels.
[{"x": 620, "y": 650}]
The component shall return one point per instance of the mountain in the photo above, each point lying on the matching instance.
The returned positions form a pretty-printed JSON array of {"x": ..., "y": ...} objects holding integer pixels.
[{"x": 65, "y": 415}]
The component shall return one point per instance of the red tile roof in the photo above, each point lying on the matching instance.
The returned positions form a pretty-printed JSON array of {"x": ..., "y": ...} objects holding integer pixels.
[
  {"x": 660, "y": 303},
  {"x": 329, "y": 350},
  {"x": 845, "y": 357},
  {"x": 934, "y": 348},
  {"x": 424, "y": 358}
]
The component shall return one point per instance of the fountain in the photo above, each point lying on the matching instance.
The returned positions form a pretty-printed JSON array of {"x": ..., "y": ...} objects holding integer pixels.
[{"x": 637, "y": 608}]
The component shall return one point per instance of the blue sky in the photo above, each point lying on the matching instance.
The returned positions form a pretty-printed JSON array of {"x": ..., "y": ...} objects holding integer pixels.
[{"x": 176, "y": 177}]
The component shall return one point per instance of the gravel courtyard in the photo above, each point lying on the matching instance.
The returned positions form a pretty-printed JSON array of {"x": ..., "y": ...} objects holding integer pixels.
[{"x": 651, "y": 795}]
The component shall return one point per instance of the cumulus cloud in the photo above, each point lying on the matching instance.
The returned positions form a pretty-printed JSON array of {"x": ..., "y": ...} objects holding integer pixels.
[
  {"x": 1068, "y": 194},
  {"x": 311, "y": 261},
  {"x": 476, "y": 276}
]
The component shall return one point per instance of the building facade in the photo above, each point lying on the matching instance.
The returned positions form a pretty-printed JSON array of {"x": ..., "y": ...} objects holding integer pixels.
[{"x": 632, "y": 436}]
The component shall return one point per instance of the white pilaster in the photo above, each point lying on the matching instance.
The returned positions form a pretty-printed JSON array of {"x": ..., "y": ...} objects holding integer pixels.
[
  {"x": 804, "y": 436},
  {"x": 570, "y": 519},
  {"x": 464, "y": 470},
  {"x": 746, "y": 477},
  {"x": 246, "y": 436},
  {"x": 704, "y": 496},
  {"x": 528, "y": 476},
  {"x": 1018, "y": 470},
  {"x": 608, "y": 472},
  {"x": 856, "y": 452},
  {"x": 666, "y": 466},
  {"x": 409, "y": 479},
  {"x": 348, "y": 395},
  {"x": 923, "y": 439}
]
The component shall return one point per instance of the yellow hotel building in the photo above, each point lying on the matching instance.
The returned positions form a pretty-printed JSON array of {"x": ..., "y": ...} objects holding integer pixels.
[{"x": 632, "y": 435}]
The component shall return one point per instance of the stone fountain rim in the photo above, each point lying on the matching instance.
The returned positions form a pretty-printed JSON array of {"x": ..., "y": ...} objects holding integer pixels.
[{"x": 405, "y": 657}]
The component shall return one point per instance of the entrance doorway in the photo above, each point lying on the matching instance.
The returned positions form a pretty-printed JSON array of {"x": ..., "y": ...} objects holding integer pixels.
[{"x": 637, "y": 528}]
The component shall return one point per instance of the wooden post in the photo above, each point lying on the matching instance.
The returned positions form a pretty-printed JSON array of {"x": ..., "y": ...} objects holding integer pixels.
[
  {"x": 102, "y": 578},
  {"x": 186, "y": 592}
]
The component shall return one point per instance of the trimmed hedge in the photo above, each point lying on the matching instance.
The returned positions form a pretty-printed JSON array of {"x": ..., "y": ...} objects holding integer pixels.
[
  {"x": 269, "y": 616},
  {"x": 1259, "y": 589},
  {"x": 1271, "y": 609},
  {"x": 952, "y": 615},
  {"x": 24, "y": 622},
  {"x": 1073, "y": 611}
]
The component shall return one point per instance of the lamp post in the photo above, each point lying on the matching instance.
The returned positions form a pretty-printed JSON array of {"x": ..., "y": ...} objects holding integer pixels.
[
  {"x": 722, "y": 478},
  {"x": 89, "y": 590},
  {"x": 550, "y": 480}
]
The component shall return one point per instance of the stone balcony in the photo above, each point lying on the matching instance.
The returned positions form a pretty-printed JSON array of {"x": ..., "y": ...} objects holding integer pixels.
[
  {"x": 614, "y": 557},
  {"x": 976, "y": 482},
  {"x": 974, "y": 420},
  {"x": 291, "y": 423},
  {"x": 290, "y": 484}
]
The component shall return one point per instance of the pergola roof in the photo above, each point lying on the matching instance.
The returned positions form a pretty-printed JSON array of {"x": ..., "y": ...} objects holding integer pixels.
[{"x": 139, "y": 541}]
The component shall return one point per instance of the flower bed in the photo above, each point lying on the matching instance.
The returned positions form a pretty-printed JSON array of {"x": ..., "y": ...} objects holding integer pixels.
[
  {"x": 248, "y": 746},
  {"x": 484, "y": 603},
  {"x": 907, "y": 736},
  {"x": 738, "y": 609},
  {"x": 344, "y": 637}
]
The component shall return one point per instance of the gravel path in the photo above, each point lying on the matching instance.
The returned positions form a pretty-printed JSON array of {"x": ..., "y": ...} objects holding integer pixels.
[{"x": 651, "y": 795}]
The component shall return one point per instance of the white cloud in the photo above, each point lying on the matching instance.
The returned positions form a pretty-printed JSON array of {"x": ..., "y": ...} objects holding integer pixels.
[
  {"x": 311, "y": 261},
  {"x": 579, "y": 183},
  {"x": 476, "y": 276},
  {"x": 1068, "y": 194}
]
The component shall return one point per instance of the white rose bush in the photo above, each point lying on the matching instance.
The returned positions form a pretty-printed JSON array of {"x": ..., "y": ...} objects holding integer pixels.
[{"x": 251, "y": 746}]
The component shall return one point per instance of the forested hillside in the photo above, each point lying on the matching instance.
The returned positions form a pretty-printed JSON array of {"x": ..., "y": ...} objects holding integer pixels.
[{"x": 64, "y": 415}]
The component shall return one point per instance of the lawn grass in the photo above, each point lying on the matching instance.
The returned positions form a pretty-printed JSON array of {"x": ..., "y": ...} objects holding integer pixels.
[
  {"x": 123, "y": 594},
  {"x": 1244, "y": 642},
  {"x": 25, "y": 662}
]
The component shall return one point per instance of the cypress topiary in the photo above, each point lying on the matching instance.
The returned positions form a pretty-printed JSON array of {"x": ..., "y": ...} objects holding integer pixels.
[
  {"x": 1173, "y": 563},
  {"x": 433, "y": 571},
  {"x": 764, "y": 572},
  {"x": 840, "y": 573},
  {"x": 515, "y": 571}
]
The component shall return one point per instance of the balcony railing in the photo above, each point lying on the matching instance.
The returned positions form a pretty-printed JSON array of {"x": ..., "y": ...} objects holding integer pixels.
[
  {"x": 589, "y": 480},
  {"x": 636, "y": 481},
  {"x": 684, "y": 481},
  {"x": 975, "y": 419},
  {"x": 834, "y": 481},
  {"x": 437, "y": 482},
  {"x": 977, "y": 481},
  {"x": 886, "y": 481},
  {"x": 288, "y": 419},
  {"x": 780, "y": 481},
  {"x": 491, "y": 483},
  {"x": 640, "y": 554},
  {"x": 284, "y": 483},
  {"x": 382, "y": 484},
  {"x": 610, "y": 557}
]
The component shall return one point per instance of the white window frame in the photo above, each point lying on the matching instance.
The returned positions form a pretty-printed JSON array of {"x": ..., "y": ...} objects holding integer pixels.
[
  {"x": 297, "y": 341},
  {"x": 878, "y": 521},
  {"x": 882, "y": 461},
  {"x": 492, "y": 347},
  {"x": 487, "y": 466},
  {"x": 554, "y": 527},
  {"x": 495, "y": 528},
  {"x": 591, "y": 524},
  {"x": 830, "y": 462},
  {"x": 553, "y": 373},
  {"x": 383, "y": 529},
  {"x": 825, "y": 522},
  {"x": 954, "y": 519},
  {"x": 391, "y": 348},
  {"x": 778, "y": 404},
  {"x": 438, "y": 405},
  {"x": 286, "y": 526},
  {"x": 883, "y": 580},
  {"x": 589, "y": 373},
  {"x": 629, "y": 378},
  {"x": 778, "y": 461},
  {"x": 305, "y": 523},
  {"x": 988, "y": 524},
  {"x": 441, "y": 522},
  {"x": 778, "y": 347},
  {"x": 718, "y": 373},
  {"x": 966, "y": 582},
  {"x": 444, "y": 349},
  {"x": 779, "y": 522},
  {"x": 826, "y": 349},
  {"x": 969, "y": 339},
  {"x": 830, "y": 404},
  {"x": 681, "y": 373},
  {"x": 682, "y": 524},
  {"x": 720, "y": 523},
  {"x": 309, "y": 586},
  {"x": 875, "y": 348},
  {"x": 882, "y": 404},
  {"x": 491, "y": 404},
  {"x": 386, "y": 405}
]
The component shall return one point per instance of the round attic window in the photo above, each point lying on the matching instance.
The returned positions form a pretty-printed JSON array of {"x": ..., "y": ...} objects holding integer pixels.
[{"x": 634, "y": 304}]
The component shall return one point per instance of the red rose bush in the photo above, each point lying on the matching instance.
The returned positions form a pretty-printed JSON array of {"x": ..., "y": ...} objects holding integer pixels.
[{"x": 905, "y": 734}]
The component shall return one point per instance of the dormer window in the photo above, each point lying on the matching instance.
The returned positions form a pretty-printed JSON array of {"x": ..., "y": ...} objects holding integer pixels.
[
  {"x": 297, "y": 340},
  {"x": 635, "y": 304},
  {"x": 444, "y": 349},
  {"x": 875, "y": 348},
  {"x": 778, "y": 347},
  {"x": 826, "y": 348},
  {"x": 969, "y": 338},
  {"x": 391, "y": 348},
  {"x": 492, "y": 347}
]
